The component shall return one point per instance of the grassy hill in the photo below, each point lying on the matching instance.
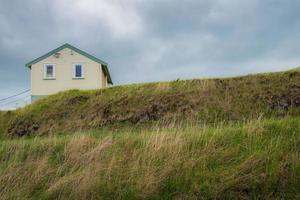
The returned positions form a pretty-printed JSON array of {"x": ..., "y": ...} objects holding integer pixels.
[
  {"x": 204, "y": 101},
  {"x": 234, "y": 138}
]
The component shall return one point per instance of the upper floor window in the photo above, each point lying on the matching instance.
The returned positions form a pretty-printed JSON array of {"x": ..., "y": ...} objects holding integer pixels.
[
  {"x": 49, "y": 71},
  {"x": 78, "y": 70}
]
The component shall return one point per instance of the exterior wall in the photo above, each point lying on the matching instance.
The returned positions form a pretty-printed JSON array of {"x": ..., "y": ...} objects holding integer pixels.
[
  {"x": 64, "y": 74},
  {"x": 104, "y": 80}
]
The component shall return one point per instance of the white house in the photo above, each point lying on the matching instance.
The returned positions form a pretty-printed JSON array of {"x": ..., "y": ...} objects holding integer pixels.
[{"x": 65, "y": 68}]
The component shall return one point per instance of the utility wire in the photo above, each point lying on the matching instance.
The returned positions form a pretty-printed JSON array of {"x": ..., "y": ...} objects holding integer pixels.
[
  {"x": 17, "y": 100},
  {"x": 25, "y": 91}
]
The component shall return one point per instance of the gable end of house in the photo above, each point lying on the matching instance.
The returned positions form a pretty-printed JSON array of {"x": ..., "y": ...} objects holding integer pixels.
[{"x": 83, "y": 53}]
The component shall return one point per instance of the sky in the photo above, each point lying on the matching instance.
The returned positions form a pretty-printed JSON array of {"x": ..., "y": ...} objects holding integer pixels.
[{"x": 151, "y": 40}]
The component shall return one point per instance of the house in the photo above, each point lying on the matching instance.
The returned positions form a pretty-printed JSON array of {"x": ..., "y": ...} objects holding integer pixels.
[{"x": 65, "y": 68}]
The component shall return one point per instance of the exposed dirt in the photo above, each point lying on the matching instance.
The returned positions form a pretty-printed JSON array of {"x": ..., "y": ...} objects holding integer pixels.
[
  {"x": 22, "y": 128},
  {"x": 154, "y": 110},
  {"x": 289, "y": 98}
]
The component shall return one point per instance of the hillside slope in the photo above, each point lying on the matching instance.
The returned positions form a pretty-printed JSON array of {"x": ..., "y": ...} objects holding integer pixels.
[
  {"x": 204, "y": 101},
  {"x": 235, "y": 138},
  {"x": 255, "y": 160}
]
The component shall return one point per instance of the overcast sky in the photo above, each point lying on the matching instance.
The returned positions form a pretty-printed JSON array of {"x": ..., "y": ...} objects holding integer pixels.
[{"x": 152, "y": 40}]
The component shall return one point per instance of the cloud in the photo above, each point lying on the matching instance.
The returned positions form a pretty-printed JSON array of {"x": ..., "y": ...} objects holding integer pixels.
[
  {"x": 152, "y": 40},
  {"x": 117, "y": 17}
]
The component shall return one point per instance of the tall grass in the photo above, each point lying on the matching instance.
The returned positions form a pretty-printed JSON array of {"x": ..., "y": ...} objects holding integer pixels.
[
  {"x": 258, "y": 159},
  {"x": 235, "y": 138},
  {"x": 5, "y": 119}
]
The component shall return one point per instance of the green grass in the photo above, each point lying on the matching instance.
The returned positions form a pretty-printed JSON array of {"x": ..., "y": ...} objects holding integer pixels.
[
  {"x": 5, "y": 119},
  {"x": 233, "y": 138},
  {"x": 258, "y": 159},
  {"x": 206, "y": 101}
]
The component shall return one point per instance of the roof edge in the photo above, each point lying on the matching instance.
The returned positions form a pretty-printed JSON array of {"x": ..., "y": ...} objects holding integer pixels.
[{"x": 106, "y": 72}]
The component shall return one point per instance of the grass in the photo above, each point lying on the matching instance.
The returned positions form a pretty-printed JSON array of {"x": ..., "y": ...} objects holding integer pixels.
[
  {"x": 258, "y": 159},
  {"x": 233, "y": 138},
  {"x": 5, "y": 118},
  {"x": 206, "y": 101}
]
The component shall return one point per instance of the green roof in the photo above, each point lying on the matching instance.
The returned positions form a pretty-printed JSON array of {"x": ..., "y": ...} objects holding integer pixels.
[{"x": 103, "y": 64}]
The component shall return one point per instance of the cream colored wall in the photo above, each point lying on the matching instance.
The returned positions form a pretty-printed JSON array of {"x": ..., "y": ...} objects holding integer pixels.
[{"x": 64, "y": 74}]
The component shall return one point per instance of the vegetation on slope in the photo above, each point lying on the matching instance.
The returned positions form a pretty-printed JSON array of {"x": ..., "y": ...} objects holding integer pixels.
[
  {"x": 235, "y": 138},
  {"x": 205, "y": 101},
  {"x": 254, "y": 160},
  {"x": 5, "y": 119}
]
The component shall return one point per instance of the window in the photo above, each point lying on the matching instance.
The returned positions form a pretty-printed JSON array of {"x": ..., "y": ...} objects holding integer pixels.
[
  {"x": 78, "y": 71},
  {"x": 49, "y": 71}
]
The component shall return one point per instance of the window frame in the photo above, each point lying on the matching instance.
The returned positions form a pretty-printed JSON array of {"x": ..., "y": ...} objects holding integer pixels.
[
  {"x": 45, "y": 71},
  {"x": 74, "y": 71}
]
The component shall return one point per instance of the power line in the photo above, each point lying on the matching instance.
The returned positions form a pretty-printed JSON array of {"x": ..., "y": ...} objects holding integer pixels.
[
  {"x": 25, "y": 91},
  {"x": 17, "y": 100}
]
